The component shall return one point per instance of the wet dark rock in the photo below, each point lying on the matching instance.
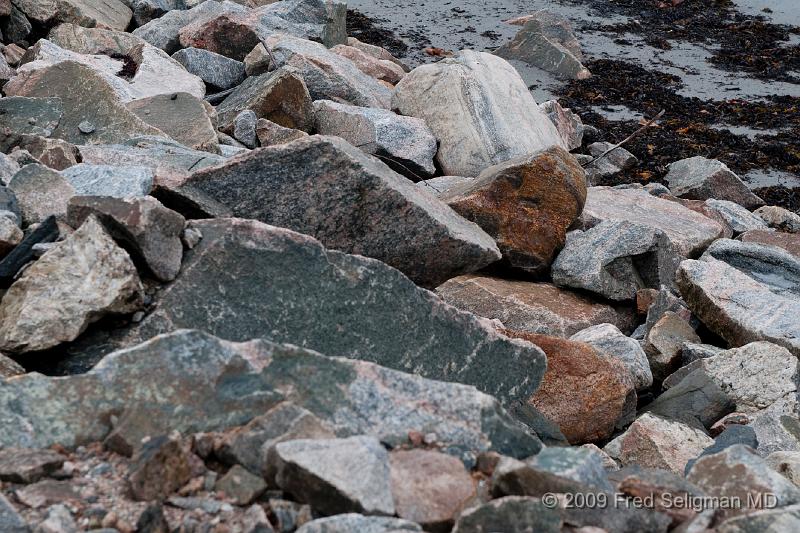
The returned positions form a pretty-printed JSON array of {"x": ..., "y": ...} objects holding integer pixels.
[{"x": 47, "y": 231}]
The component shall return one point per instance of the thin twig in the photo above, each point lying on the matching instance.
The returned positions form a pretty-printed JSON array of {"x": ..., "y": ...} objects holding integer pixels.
[
  {"x": 628, "y": 138},
  {"x": 269, "y": 53}
]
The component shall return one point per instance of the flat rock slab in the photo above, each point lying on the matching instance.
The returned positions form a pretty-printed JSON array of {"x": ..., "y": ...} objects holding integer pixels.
[
  {"x": 533, "y": 307},
  {"x": 216, "y": 70},
  {"x": 788, "y": 241},
  {"x": 348, "y": 522},
  {"x": 326, "y": 188},
  {"x": 689, "y": 231},
  {"x": 111, "y": 14},
  {"x": 33, "y": 116},
  {"x": 182, "y": 116},
  {"x": 108, "y": 180},
  {"x": 191, "y": 382},
  {"x": 479, "y": 109}
]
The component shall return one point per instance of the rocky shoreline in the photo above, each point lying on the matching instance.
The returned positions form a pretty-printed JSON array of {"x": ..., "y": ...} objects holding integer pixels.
[{"x": 259, "y": 275}]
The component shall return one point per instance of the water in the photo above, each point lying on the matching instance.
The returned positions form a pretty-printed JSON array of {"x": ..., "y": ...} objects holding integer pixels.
[{"x": 783, "y": 11}]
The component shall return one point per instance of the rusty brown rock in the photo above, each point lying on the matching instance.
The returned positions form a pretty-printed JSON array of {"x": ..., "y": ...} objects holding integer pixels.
[
  {"x": 788, "y": 241},
  {"x": 526, "y": 205},
  {"x": 160, "y": 468},
  {"x": 533, "y": 307},
  {"x": 585, "y": 392},
  {"x": 430, "y": 488}
]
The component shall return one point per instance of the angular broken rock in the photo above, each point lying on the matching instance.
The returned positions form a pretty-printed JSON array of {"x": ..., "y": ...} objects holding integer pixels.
[
  {"x": 788, "y": 241},
  {"x": 28, "y": 466},
  {"x": 532, "y": 307},
  {"x": 189, "y": 381},
  {"x": 159, "y": 468},
  {"x": 336, "y": 475},
  {"x": 75, "y": 283},
  {"x": 511, "y": 513},
  {"x": 607, "y": 338},
  {"x": 737, "y": 307},
  {"x": 240, "y": 485},
  {"x": 112, "y": 14},
  {"x": 108, "y": 180},
  {"x": 612, "y": 163},
  {"x": 182, "y": 116},
  {"x": 656, "y": 442},
  {"x": 349, "y": 522},
  {"x": 404, "y": 143},
  {"x": 53, "y": 153},
  {"x": 40, "y": 192},
  {"x": 734, "y": 216},
  {"x": 615, "y": 259},
  {"x": 280, "y": 96},
  {"x": 479, "y": 109},
  {"x": 270, "y": 133},
  {"x": 10, "y": 235},
  {"x": 698, "y": 178},
  {"x": 9, "y": 367},
  {"x": 216, "y": 70},
  {"x": 324, "y": 187},
  {"x": 379, "y": 69},
  {"x": 568, "y": 124},
  {"x": 525, "y": 204},
  {"x": 584, "y": 391},
  {"x": 688, "y": 231},
  {"x": 779, "y": 218},
  {"x": 33, "y": 116},
  {"x": 144, "y": 226},
  {"x": 327, "y": 75},
  {"x": 71, "y": 82},
  {"x": 244, "y": 128},
  {"x": 664, "y": 343}
]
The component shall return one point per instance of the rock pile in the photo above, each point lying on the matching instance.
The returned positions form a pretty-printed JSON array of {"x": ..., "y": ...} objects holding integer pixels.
[{"x": 259, "y": 276}]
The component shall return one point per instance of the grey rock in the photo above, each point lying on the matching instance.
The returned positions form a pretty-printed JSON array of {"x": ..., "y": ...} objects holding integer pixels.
[
  {"x": 779, "y": 218},
  {"x": 568, "y": 124},
  {"x": 9, "y": 367},
  {"x": 257, "y": 62},
  {"x": 732, "y": 436},
  {"x": 336, "y": 475},
  {"x": 735, "y": 216},
  {"x": 328, "y": 75},
  {"x": 45, "y": 232},
  {"x": 112, "y": 14},
  {"x": 33, "y": 116},
  {"x": 244, "y": 128},
  {"x": 108, "y": 180},
  {"x": 348, "y": 522},
  {"x": 610, "y": 340},
  {"x": 8, "y": 167},
  {"x": 376, "y": 51},
  {"x": 698, "y": 178},
  {"x": 615, "y": 259},
  {"x": 324, "y": 187},
  {"x": 10, "y": 520},
  {"x": 479, "y": 109},
  {"x": 216, "y": 70},
  {"x": 40, "y": 192},
  {"x": 16, "y": 27},
  {"x": 782, "y": 519},
  {"x": 146, "y": 10},
  {"x": 787, "y": 464},
  {"x": 380, "y": 69},
  {"x": 511, "y": 513},
  {"x": 269, "y": 133},
  {"x": 441, "y": 185},
  {"x": 58, "y": 520},
  {"x": 182, "y": 116},
  {"x": 240, "y": 485},
  {"x": 404, "y": 143},
  {"x": 10, "y": 234},
  {"x": 691, "y": 352},
  {"x": 615, "y": 162},
  {"x": 664, "y": 342},
  {"x": 79, "y": 280}
]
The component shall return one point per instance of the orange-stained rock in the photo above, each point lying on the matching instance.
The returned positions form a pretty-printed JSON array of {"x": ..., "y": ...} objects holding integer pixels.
[
  {"x": 526, "y": 205},
  {"x": 788, "y": 241},
  {"x": 429, "y": 487},
  {"x": 585, "y": 392}
]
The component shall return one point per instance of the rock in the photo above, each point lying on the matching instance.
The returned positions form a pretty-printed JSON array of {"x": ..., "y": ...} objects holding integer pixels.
[
  {"x": 216, "y": 70},
  {"x": 737, "y": 307},
  {"x": 78, "y": 281},
  {"x": 698, "y": 178},
  {"x": 28, "y": 466},
  {"x": 380, "y": 69},
  {"x": 161, "y": 467},
  {"x": 656, "y": 442},
  {"x": 608, "y": 339},
  {"x": 108, "y": 180},
  {"x": 734, "y": 435},
  {"x": 735, "y": 216},
  {"x": 8, "y": 167},
  {"x": 538, "y": 44},
  {"x": 9, "y": 368},
  {"x": 269, "y": 133},
  {"x": 688, "y": 231},
  {"x": 336, "y": 475},
  {"x": 348, "y": 522},
  {"x": 738, "y": 472},
  {"x": 33, "y": 116},
  {"x": 404, "y": 143},
  {"x": 616, "y": 259},
  {"x": 429, "y": 488},
  {"x": 257, "y": 61},
  {"x": 664, "y": 344},
  {"x": 59, "y": 520},
  {"x": 240, "y": 485},
  {"x": 479, "y": 109},
  {"x": 10, "y": 235},
  {"x": 786, "y": 464},
  {"x": 10, "y": 520},
  {"x": 16, "y": 28},
  {"x": 52, "y": 153},
  {"x": 71, "y": 82},
  {"x": 557, "y": 27},
  {"x": 150, "y": 231},
  {"x": 613, "y": 163},
  {"x": 182, "y": 116},
  {"x": 779, "y": 218},
  {"x": 367, "y": 208},
  {"x": 512, "y": 513},
  {"x": 526, "y": 205},
  {"x": 532, "y": 307},
  {"x": 376, "y": 51},
  {"x": 439, "y": 186},
  {"x": 47, "y": 231},
  {"x": 111, "y": 14},
  {"x": 783, "y": 519},
  {"x": 787, "y": 241},
  {"x": 568, "y": 124},
  {"x": 584, "y": 391},
  {"x": 41, "y": 192},
  {"x": 152, "y": 520},
  {"x": 280, "y": 96}
]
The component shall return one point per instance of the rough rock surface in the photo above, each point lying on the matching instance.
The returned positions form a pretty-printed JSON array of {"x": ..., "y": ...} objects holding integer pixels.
[
  {"x": 479, "y": 109},
  {"x": 347, "y": 522},
  {"x": 568, "y": 124},
  {"x": 72, "y": 285},
  {"x": 108, "y": 180},
  {"x": 698, "y": 178},
  {"x": 779, "y": 218},
  {"x": 664, "y": 342},
  {"x": 512, "y": 513},
  {"x": 324, "y": 187},
  {"x": 788, "y": 241},
  {"x": 270, "y": 133},
  {"x": 113, "y": 14},
  {"x": 607, "y": 338},
  {"x": 525, "y": 204},
  {"x": 216, "y": 70},
  {"x": 182, "y": 116},
  {"x": 40, "y": 192},
  {"x": 380, "y": 69},
  {"x": 735, "y": 216}
]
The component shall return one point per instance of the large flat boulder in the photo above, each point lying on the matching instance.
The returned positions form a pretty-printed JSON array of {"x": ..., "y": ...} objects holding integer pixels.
[
  {"x": 111, "y": 14},
  {"x": 479, "y": 109},
  {"x": 324, "y": 187}
]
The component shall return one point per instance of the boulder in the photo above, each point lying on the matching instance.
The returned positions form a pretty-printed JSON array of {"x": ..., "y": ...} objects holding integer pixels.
[
  {"x": 240, "y": 485},
  {"x": 779, "y": 218},
  {"x": 608, "y": 339},
  {"x": 182, "y": 116},
  {"x": 189, "y": 381},
  {"x": 688, "y": 231},
  {"x": 244, "y": 128},
  {"x": 76, "y": 282},
  {"x": 526, "y": 205},
  {"x": 404, "y": 143},
  {"x": 159, "y": 468},
  {"x": 52, "y": 153},
  {"x": 439, "y": 186},
  {"x": 215, "y": 70},
  {"x": 16, "y": 27},
  {"x": 787, "y": 241},
  {"x": 327, "y": 75},
  {"x": 10, "y": 520},
  {"x": 699, "y": 178},
  {"x": 270, "y": 133},
  {"x": 336, "y": 475},
  {"x": 8, "y": 167},
  {"x": 111, "y": 14},
  {"x": 380, "y": 69},
  {"x": 28, "y": 465},
  {"x": 735, "y": 216},
  {"x": 147, "y": 229},
  {"x": 358, "y": 205},
  {"x": 511, "y": 513},
  {"x": 108, "y": 180},
  {"x": 664, "y": 342},
  {"x": 40, "y": 192},
  {"x": 45, "y": 232},
  {"x": 9, "y": 367},
  {"x": 33, "y": 116},
  {"x": 568, "y": 124},
  {"x": 479, "y": 109},
  {"x": 783, "y": 519},
  {"x": 10, "y": 234},
  {"x": 532, "y": 307},
  {"x": 375, "y": 51},
  {"x": 348, "y": 522},
  {"x": 609, "y": 165},
  {"x": 616, "y": 259}
]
